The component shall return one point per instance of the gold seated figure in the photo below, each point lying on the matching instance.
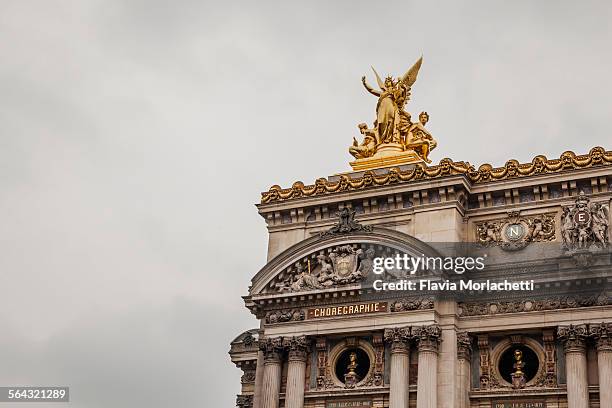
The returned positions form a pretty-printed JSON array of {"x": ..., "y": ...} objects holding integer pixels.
[{"x": 419, "y": 139}]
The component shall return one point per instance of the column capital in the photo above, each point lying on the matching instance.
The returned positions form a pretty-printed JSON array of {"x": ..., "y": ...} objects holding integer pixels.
[
  {"x": 602, "y": 333},
  {"x": 464, "y": 346},
  {"x": 244, "y": 401},
  {"x": 399, "y": 338},
  {"x": 272, "y": 348},
  {"x": 427, "y": 337},
  {"x": 298, "y": 347},
  {"x": 573, "y": 337}
]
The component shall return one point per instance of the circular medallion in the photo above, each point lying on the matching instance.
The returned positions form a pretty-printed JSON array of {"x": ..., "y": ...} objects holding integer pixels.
[
  {"x": 353, "y": 364},
  {"x": 582, "y": 217},
  {"x": 509, "y": 364},
  {"x": 514, "y": 232}
]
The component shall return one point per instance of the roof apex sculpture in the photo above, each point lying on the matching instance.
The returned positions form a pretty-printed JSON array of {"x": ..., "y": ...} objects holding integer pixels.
[{"x": 394, "y": 139}]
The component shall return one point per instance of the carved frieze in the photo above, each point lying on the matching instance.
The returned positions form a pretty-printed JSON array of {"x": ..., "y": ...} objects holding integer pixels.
[
  {"x": 417, "y": 303},
  {"x": 287, "y": 315},
  {"x": 532, "y": 305},
  {"x": 515, "y": 231},
  {"x": 585, "y": 224}
]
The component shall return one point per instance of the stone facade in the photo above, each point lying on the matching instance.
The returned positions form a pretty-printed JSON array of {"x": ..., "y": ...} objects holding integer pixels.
[{"x": 326, "y": 339}]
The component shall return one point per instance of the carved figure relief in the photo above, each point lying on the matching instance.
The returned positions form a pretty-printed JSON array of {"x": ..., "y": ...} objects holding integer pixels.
[
  {"x": 585, "y": 224},
  {"x": 515, "y": 231},
  {"x": 332, "y": 267},
  {"x": 346, "y": 224},
  {"x": 281, "y": 316}
]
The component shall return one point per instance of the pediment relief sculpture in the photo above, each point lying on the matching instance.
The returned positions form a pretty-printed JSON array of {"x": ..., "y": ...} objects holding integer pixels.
[{"x": 335, "y": 266}]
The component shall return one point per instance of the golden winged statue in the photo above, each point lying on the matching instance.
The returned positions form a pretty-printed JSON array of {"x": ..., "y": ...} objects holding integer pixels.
[{"x": 394, "y": 138}]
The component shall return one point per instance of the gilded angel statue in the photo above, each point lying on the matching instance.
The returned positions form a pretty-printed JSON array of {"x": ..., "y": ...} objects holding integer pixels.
[{"x": 392, "y": 96}]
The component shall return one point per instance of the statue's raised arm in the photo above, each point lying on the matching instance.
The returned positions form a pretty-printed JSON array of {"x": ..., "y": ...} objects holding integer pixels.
[{"x": 369, "y": 88}]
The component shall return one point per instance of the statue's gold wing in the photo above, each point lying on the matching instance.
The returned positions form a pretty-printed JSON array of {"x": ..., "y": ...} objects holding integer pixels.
[
  {"x": 410, "y": 77},
  {"x": 381, "y": 84}
]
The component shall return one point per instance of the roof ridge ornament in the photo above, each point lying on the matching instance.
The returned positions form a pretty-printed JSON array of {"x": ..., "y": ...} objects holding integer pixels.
[{"x": 346, "y": 224}]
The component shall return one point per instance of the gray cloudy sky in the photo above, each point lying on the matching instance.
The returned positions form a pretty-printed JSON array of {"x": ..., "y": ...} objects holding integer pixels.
[{"x": 136, "y": 136}]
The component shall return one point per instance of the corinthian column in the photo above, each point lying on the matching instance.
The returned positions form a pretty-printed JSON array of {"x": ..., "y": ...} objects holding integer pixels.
[
  {"x": 400, "y": 360},
  {"x": 296, "y": 371},
  {"x": 603, "y": 341},
  {"x": 272, "y": 349},
  {"x": 464, "y": 355},
  {"x": 573, "y": 338},
  {"x": 428, "y": 338}
]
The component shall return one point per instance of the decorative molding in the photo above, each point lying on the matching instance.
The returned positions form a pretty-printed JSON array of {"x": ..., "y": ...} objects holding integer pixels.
[
  {"x": 484, "y": 353},
  {"x": 550, "y": 358},
  {"x": 598, "y": 156},
  {"x": 532, "y": 305}
]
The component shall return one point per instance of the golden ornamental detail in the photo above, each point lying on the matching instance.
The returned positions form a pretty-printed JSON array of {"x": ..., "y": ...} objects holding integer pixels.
[
  {"x": 394, "y": 139},
  {"x": 598, "y": 156}
]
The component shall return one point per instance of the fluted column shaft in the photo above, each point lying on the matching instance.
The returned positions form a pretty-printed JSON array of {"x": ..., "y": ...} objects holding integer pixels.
[
  {"x": 258, "y": 379},
  {"x": 400, "y": 365},
  {"x": 575, "y": 365},
  {"x": 464, "y": 353},
  {"x": 603, "y": 342},
  {"x": 400, "y": 362},
  {"x": 428, "y": 338},
  {"x": 296, "y": 375},
  {"x": 272, "y": 349}
]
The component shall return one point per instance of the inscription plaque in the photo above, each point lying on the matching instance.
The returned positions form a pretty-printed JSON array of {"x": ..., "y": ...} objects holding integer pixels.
[
  {"x": 347, "y": 310},
  {"x": 349, "y": 404},
  {"x": 519, "y": 404}
]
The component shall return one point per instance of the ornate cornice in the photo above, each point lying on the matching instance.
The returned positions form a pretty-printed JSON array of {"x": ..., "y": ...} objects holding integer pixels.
[
  {"x": 598, "y": 156},
  {"x": 573, "y": 337},
  {"x": 532, "y": 305}
]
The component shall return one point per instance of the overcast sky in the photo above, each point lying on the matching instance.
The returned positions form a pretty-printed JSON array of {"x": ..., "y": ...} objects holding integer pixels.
[{"x": 136, "y": 136}]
